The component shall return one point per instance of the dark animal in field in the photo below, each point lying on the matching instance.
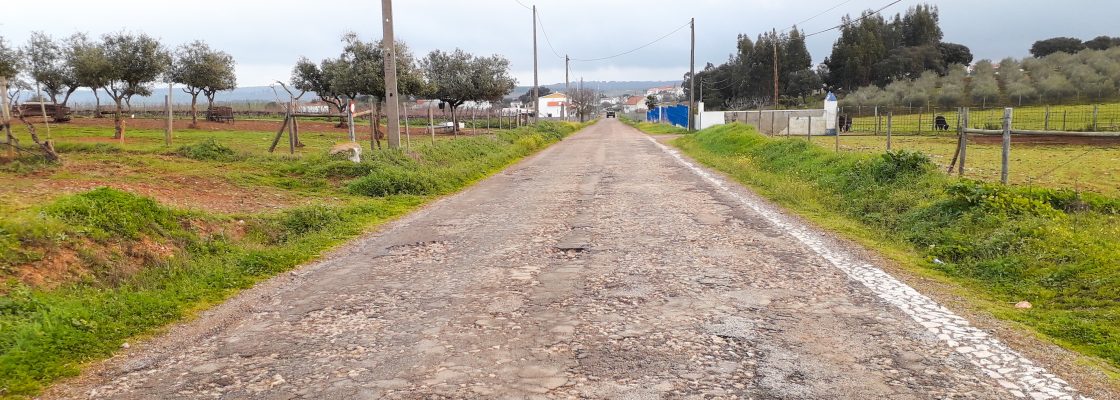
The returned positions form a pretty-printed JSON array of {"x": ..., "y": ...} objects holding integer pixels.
[
  {"x": 845, "y": 124},
  {"x": 940, "y": 124}
]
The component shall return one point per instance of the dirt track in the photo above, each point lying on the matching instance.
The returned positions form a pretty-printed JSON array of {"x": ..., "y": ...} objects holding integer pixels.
[{"x": 604, "y": 267}]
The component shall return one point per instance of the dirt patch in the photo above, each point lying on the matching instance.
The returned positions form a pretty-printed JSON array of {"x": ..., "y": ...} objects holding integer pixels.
[
  {"x": 189, "y": 193},
  {"x": 305, "y": 126}
]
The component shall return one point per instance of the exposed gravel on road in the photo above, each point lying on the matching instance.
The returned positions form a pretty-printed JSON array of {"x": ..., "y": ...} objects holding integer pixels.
[{"x": 604, "y": 267}]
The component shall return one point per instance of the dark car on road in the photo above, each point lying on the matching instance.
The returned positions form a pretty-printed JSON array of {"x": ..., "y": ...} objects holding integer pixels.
[{"x": 610, "y": 114}]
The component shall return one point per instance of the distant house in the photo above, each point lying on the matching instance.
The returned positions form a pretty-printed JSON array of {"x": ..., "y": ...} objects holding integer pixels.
[
  {"x": 634, "y": 104},
  {"x": 552, "y": 105}
]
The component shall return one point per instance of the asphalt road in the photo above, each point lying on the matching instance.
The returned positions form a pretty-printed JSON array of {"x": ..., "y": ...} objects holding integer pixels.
[{"x": 607, "y": 266}]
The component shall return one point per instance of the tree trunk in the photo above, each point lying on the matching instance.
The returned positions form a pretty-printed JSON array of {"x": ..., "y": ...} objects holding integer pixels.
[
  {"x": 454, "y": 121},
  {"x": 118, "y": 122},
  {"x": 97, "y": 104},
  {"x": 377, "y": 126},
  {"x": 194, "y": 110},
  {"x": 128, "y": 102},
  {"x": 46, "y": 146}
]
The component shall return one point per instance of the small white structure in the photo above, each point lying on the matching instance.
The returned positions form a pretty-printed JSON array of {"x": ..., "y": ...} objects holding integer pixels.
[
  {"x": 553, "y": 105},
  {"x": 708, "y": 119},
  {"x": 634, "y": 104},
  {"x": 830, "y": 111}
]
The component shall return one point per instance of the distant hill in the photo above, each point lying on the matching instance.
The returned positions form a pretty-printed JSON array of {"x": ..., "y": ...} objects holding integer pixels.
[
  {"x": 264, "y": 94},
  {"x": 609, "y": 88}
]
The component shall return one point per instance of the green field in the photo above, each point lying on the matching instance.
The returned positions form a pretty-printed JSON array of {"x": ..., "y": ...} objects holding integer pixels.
[
  {"x": 122, "y": 239},
  {"x": 1088, "y": 167},
  {"x": 1061, "y": 118}
]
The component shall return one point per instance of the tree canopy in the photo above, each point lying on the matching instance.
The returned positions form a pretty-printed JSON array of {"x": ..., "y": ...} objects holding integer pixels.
[
  {"x": 202, "y": 70},
  {"x": 873, "y": 50},
  {"x": 9, "y": 60},
  {"x": 134, "y": 60},
  {"x": 456, "y": 77},
  {"x": 1043, "y": 48}
]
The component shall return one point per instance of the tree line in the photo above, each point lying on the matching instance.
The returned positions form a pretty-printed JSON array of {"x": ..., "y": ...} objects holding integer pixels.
[
  {"x": 1088, "y": 75},
  {"x": 120, "y": 65},
  {"x": 871, "y": 49},
  {"x": 453, "y": 77}
]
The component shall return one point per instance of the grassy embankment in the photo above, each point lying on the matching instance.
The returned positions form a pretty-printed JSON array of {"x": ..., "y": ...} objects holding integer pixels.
[
  {"x": 84, "y": 272},
  {"x": 1000, "y": 244},
  {"x": 654, "y": 128}
]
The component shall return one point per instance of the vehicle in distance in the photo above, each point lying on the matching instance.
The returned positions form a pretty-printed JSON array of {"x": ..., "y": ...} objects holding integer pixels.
[{"x": 610, "y": 114}]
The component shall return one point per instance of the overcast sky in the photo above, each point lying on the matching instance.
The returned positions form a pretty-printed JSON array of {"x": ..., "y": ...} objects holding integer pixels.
[{"x": 266, "y": 37}]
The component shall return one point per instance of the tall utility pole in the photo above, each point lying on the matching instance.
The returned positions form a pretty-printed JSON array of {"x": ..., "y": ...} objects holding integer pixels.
[
  {"x": 775, "y": 36},
  {"x": 567, "y": 89},
  {"x": 692, "y": 78},
  {"x": 536, "y": 88},
  {"x": 392, "y": 106}
]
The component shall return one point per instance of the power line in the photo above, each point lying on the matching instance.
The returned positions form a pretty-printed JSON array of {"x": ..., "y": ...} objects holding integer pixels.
[
  {"x": 857, "y": 20},
  {"x": 821, "y": 13},
  {"x": 523, "y": 4},
  {"x": 636, "y": 48},
  {"x": 546, "y": 38}
]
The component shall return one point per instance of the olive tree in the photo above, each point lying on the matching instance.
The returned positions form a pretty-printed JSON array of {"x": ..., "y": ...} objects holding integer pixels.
[
  {"x": 85, "y": 58},
  {"x": 46, "y": 63},
  {"x": 202, "y": 70},
  {"x": 457, "y": 77},
  {"x": 9, "y": 60},
  {"x": 134, "y": 61}
]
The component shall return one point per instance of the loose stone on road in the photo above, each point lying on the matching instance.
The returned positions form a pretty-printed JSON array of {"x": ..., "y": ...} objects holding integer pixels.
[{"x": 607, "y": 266}]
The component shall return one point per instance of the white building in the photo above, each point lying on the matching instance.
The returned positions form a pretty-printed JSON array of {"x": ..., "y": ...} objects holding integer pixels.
[
  {"x": 553, "y": 105},
  {"x": 635, "y": 104}
]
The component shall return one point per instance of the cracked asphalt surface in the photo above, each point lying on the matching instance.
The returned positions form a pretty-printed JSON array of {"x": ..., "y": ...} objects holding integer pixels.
[{"x": 599, "y": 268}]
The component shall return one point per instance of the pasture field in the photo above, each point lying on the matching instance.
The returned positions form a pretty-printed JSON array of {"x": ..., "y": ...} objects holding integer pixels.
[
  {"x": 1081, "y": 164},
  {"x": 123, "y": 238},
  {"x": 1061, "y": 118}
]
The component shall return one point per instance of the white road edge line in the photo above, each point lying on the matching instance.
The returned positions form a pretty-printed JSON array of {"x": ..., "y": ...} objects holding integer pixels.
[{"x": 1019, "y": 375}]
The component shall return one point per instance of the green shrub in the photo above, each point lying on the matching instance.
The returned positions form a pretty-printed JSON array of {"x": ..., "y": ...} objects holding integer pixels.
[
  {"x": 390, "y": 181},
  {"x": 208, "y": 150},
  {"x": 105, "y": 212}
]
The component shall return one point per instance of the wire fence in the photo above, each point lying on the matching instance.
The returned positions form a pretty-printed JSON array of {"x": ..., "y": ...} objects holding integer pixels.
[{"x": 936, "y": 120}]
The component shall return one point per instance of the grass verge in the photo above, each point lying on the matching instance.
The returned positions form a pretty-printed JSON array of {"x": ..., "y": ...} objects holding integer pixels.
[
  {"x": 140, "y": 265},
  {"x": 654, "y": 128},
  {"x": 1001, "y": 244}
]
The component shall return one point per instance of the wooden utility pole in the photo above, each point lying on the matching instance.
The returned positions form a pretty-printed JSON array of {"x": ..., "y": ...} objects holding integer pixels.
[
  {"x": 536, "y": 87},
  {"x": 775, "y": 70},
  {"x": 393, "y": 123},
  {"x": 42, "y": 108},
  {"x": 567, "y": 88},
  {"x": 692, "y": 77}
]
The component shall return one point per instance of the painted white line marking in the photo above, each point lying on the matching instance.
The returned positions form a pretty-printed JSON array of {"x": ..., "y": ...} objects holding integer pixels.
[{"x": 1020, "y": 376}]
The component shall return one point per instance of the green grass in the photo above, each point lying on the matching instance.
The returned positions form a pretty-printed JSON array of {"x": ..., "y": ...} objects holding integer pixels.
[
  {"x": 124, "y": 286},
  {"x": 1061, "y": 118},
  {"x": 654, "y": 128},
  {"x": 1054, "y": 248},
  {"x": 1088, "y": 168}
]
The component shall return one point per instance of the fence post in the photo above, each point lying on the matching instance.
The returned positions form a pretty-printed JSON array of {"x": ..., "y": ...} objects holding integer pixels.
[
  {"x": 1046, "y": 120},
  {"x": 890, "y": 121},
  {"x": 1006, "y": 145},
  {"x": 789, "y": 124},
  {"x": 431, "y": 123},
  {"x": 878, "y": 121},
  {"x": 837, "y": 132},
  {"x": 1064, "y": 119},
  {"x": 919, "y": 121},
  {"x": 809, "y": 130},
  {"x": 773, "y": 116},
  {"x": 1096, "y": 109},
  {"x": 963, "y": 142}
]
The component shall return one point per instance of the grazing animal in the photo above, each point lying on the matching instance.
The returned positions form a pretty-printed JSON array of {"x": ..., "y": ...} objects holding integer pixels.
[
  {"x": 845, "y": 124},
  {"x": 940, "y": 123}
]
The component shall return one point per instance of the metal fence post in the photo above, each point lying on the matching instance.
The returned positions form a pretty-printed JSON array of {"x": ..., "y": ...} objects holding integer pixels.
[
  {"x": 1064, "y": 119},
  {"x": 837, "y": 132},
  {"x": 919, "y": 122},
  {"x": 789, "y": 124},
  {"x": 1046, "y": 120},
  {"x": 963, "y": 127},
  {"x": 1006, "y": 145}
]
